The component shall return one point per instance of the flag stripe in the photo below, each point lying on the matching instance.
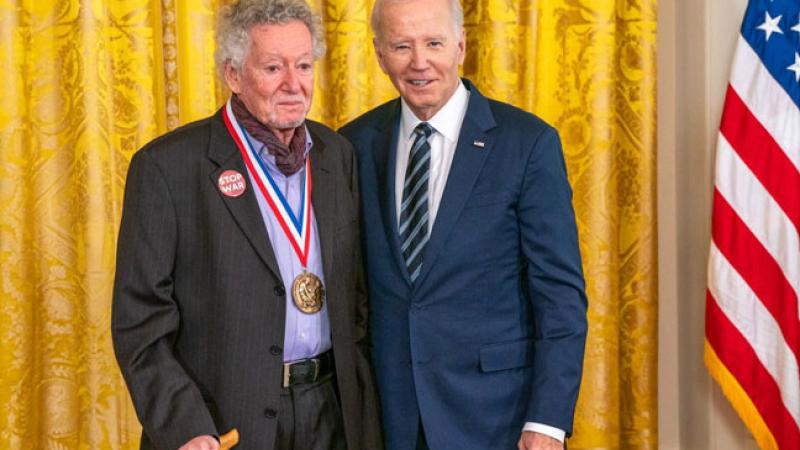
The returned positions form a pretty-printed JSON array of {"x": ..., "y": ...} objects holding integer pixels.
[
  {"x": 735, "y": 352},
  {"x": 760, "y": 213},
  {"x": 743, "y": 308},
  {"x": 767, "y": 100},
  {"x": 739, "y": 398},
  {"x": 757, "y": 268},
  {"x": 762, "y": 155}
]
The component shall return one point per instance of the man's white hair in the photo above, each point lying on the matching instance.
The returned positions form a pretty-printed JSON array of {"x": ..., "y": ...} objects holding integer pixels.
[
  {"x": 455, "y": 11},
  {"x": 236, "y": 20}
]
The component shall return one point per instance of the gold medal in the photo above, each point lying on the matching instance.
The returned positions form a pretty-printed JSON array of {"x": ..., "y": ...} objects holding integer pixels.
[{"x": 308, "y": 292}]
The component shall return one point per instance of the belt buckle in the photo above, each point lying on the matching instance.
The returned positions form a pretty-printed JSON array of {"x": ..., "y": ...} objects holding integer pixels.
[
  {"x": 317, "y": 364},
  {"x": 287, "y": 370},
  {"x": 286, "y": 374}
]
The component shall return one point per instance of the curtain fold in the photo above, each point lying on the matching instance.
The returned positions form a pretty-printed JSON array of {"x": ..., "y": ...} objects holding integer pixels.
[
  {"x": 81, "y": 92},
  {"x": 88, "y": 82},
  {"x": 597, "y": 85}
]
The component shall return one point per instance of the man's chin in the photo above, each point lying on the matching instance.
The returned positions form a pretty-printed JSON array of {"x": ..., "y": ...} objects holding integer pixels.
[
  {"x": 422, "y": 108},
  {"x": 286, "y": 124}
]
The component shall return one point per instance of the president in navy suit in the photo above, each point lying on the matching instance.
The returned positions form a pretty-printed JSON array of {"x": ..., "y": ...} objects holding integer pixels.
[{"x": 477, "y": 302}]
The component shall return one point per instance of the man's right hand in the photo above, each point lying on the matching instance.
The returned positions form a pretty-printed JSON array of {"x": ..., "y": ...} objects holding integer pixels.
[{"x": 205, "y": 442}]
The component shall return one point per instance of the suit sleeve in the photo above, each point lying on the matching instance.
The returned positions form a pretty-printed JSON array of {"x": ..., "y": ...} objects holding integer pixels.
[
  {"x": 556, "y": 288},
  {"x": 146, "y": 317}
]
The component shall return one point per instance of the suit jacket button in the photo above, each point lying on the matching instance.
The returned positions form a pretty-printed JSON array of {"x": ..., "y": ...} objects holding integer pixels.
[
  {"x": 275, "y": 350},
  {"x": 280, "y": 291},
  {"x": 270, "y": 413}
]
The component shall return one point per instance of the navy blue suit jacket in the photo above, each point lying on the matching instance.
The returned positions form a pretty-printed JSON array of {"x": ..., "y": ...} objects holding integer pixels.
[{"x": 492, "y": 333}]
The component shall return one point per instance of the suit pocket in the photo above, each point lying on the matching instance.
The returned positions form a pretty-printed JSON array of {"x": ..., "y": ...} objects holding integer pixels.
[
  {"x": 492, "y": 198},
  {"x": 506, "y": 355}
]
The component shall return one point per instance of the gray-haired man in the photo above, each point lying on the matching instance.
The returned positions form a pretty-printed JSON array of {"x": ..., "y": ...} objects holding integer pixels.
[{"x": 239, "y": 300}]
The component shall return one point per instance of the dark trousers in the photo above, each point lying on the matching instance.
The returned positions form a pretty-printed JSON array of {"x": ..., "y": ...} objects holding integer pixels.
[{"x": 310, "y": 417}]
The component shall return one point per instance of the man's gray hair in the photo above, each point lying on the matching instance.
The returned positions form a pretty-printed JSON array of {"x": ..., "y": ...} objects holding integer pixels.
[
  {"x": 455, "y": 11},
  {"x": 237, "y": 19}
]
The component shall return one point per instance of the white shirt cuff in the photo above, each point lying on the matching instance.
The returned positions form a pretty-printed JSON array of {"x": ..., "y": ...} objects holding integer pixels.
[{"x": 553, "y": 432}]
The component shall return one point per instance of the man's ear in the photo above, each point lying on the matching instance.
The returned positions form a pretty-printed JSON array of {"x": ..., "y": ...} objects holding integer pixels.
[
  {"x": 462, "y": 47},
  {"x": 232, "y": 77}
]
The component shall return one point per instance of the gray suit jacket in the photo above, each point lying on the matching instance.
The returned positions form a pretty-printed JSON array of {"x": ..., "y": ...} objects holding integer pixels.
[{"x": 199, "y": 306}]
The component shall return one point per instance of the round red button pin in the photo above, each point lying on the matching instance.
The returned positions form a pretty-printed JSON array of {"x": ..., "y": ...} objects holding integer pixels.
[{"x": 231, "y": 183}]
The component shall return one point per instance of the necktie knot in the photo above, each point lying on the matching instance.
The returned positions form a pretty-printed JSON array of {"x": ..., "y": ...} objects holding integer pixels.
[{"x": 424, "y": 129}]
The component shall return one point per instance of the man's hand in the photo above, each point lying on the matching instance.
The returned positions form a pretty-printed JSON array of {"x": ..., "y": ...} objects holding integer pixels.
[
  {"x": 205, "y": 442},
  {"x": 531, "y": 440}
]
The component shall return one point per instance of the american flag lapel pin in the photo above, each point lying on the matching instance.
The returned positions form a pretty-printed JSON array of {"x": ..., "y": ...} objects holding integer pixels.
[{"x": 479, "y": 144}]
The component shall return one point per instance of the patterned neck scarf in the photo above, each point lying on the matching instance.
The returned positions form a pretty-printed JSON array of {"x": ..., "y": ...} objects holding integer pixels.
[{"x": 289, "y": 159}]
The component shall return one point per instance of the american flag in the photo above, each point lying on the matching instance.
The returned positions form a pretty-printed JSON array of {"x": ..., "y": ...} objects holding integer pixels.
[{"x": 752, "y": 343}]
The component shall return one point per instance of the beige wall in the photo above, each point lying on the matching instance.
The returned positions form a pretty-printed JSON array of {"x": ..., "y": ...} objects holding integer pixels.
[{"x": 696, "y": 43}]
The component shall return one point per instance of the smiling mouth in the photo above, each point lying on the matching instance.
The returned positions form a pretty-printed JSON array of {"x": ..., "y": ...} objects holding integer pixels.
[{"x": 420, "y": 83}]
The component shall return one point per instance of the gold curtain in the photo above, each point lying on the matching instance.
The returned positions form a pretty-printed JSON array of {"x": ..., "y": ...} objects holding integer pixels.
[{"x": 88, "y": 82}]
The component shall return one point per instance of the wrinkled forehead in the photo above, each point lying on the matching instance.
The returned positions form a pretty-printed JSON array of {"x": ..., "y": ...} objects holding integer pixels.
[
  {"x": 417, "y": 20},
  {"x": 290, "y": 39},
  {"x": 390, "y": 11}
]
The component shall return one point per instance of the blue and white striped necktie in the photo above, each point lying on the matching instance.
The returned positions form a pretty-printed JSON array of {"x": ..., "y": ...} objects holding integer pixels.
[{"x": 414, "y": 208}]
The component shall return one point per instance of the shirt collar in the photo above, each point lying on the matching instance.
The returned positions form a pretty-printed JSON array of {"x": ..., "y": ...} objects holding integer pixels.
[{"x": 446, "y": 121}]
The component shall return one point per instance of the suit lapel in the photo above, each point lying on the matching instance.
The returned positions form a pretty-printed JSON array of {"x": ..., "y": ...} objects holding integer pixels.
[
  {"x": 385, "y": 152},
  {"x": 323, "y": 198},
  {"x": 467, "y": 163},
  {"x": 244, "y": 209}
]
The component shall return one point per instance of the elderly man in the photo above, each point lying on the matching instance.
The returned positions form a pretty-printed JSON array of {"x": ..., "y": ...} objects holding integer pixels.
[
  {"x": 477, "y": 303},
  {"x": 239, "y": 299}
]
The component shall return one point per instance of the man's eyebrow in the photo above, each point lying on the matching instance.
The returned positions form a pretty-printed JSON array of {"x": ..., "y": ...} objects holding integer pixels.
[{"x": 279, "y": 56}]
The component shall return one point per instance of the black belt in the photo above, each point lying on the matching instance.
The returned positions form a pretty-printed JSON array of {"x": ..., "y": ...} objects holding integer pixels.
[{"x": 308, "y": 370}]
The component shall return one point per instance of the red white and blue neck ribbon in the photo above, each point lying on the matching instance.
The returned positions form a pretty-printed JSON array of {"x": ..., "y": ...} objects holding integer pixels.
[{"x": 297, "y": 229}]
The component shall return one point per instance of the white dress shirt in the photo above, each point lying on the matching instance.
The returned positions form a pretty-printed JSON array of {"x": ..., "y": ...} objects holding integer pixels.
[
  {"x": 306, "y": 335},
  {"x": 446, "y": 124}
]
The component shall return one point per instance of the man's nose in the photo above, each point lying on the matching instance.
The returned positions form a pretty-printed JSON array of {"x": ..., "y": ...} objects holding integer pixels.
[
  {"x": 419, "y": 59},
  {"x": 291, "y": 80}
]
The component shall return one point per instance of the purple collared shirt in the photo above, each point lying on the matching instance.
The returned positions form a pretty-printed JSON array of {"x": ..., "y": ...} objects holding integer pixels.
[{"x": 306, "y": 335}]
